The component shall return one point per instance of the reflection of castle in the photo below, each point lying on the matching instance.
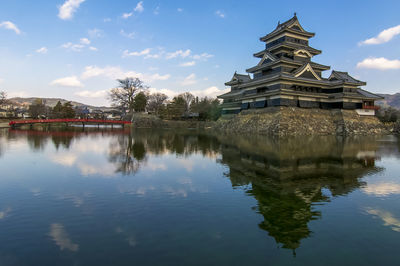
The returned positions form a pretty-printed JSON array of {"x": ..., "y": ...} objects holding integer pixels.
[{"x": 289, "y": 177}]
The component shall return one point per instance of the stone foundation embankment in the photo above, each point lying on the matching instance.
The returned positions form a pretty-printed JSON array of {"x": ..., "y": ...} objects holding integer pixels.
[{"x": 292, "y": 121}]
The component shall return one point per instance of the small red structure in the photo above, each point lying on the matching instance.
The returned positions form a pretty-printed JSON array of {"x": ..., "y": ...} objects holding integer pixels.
[{"x": 68, "y": 120}]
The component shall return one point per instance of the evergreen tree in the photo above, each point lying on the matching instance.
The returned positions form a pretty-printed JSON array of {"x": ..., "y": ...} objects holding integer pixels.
[
  {"x": 140, "y": 102},
  {"x": 68, "y": 110}
]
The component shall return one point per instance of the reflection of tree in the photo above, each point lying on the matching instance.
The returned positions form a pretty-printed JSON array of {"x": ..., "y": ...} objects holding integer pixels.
[
  {"x": 3, "y": 136},
  {"x": 60, "y": 140},
  {"x": 36, "y": 142},
  {"x": 127, "y": 153},
  {"x": 288, "y": 178}
]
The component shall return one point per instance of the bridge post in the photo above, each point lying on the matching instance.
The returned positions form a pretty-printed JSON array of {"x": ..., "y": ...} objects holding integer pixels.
[
  {"x": 83, "y": 124},
  {"x": 112, "y": 125},
  {"x": 31, "y": 126}
]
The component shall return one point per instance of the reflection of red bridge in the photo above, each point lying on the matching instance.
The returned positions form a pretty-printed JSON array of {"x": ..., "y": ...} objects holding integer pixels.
[{"x": 68, "y": 121}]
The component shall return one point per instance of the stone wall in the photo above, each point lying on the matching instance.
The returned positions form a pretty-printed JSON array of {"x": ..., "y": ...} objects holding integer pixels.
[{"x": 291, "y": 121}]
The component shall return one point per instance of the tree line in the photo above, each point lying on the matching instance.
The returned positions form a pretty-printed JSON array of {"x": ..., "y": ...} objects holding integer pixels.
[
  {"x": 131, "y": 95},
  {"x": 39, "y": 109}
]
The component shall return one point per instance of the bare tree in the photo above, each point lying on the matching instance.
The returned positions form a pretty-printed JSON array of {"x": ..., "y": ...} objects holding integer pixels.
[
  {"x": 3, "y": 97},
  {"x": 156, "y": 100},
  {"x": 188, "y": 98},
  {"x": 123, "y": 96}
]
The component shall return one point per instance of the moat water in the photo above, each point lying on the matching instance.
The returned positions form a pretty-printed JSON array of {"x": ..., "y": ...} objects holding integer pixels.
[{"x": 147, "y": 197}]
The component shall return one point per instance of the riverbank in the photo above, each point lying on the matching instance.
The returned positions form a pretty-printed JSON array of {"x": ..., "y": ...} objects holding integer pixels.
[{"x": 293, "y": 121}]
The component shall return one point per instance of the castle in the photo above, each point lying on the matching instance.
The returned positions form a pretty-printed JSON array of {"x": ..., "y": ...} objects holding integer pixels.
[{"x": 287, "y": 76}]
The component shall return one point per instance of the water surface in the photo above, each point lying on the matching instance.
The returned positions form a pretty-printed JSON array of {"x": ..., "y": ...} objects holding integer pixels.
[{"x": 146, "y": 197}]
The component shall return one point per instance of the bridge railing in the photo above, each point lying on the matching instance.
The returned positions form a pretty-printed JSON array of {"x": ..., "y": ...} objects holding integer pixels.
[{"x": 68, "y": 120}]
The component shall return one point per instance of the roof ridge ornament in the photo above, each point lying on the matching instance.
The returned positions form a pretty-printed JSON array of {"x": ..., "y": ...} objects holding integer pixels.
[{"x": 295, "y": 15}]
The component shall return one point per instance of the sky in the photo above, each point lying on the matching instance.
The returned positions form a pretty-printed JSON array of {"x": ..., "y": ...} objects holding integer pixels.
[{"x": 76, "y": 49}]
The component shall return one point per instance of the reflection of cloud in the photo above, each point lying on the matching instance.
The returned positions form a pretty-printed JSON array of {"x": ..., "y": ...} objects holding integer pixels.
[
  {"x": 187, "y": 164},
  {"x": 130, "y": 238},
  {"x": 76, "y": 200},
  {"x": 90, "y": 169},
  {"x": 140, "y": 191},
  {"x": 156, "y": 166},
  {"x": 97, "y": 147},
  {"x": 60, "y": 236},
  {"x": 66, "y": 159},
  {"x": 35, "y": 191},
  {"x": 176, "y": 191},
  {"x": 4, "y": 213},
  {"x": 131, "y": 241},
  {"x": 185, "y": 181},
  {"x": 382, "y": 189},
  {"x": 387, "y": 217}
]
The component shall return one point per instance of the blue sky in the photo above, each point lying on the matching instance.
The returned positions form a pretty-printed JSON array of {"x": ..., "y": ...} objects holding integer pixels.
[{"x": 75, "y": 49}]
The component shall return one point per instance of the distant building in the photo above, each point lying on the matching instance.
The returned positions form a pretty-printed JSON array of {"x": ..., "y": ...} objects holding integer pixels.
[{"x": 286, "y": 76}]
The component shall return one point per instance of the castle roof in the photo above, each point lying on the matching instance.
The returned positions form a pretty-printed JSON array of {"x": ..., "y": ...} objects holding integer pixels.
[
  {"x": 344, "y": 76},
  {"x": 292, "y": 25}
]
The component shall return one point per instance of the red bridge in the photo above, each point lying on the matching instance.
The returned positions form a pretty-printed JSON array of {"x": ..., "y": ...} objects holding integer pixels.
[{"x": 69, "y": 121}]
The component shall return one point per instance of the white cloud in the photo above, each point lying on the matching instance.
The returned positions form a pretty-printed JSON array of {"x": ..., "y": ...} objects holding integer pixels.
[
  {"x": 106, "y": 20},
  {"x": 189, "y": 80},
  {"x": 220, "y": 14},
  {"x": 96, "y": 33},
  {"x": 92, "y": 94},
  {"x": 61, "y": 237},
  {"x": 67, "y": 10},
  {"x": 179, "y": 53},
  {"x": 92, "y": 48},
  {"x": 78, "y": 47},
  {"x": 115, "y": 72},
  {"x": 42, "y": 50},
  {"x": 180, "y": 9},
  {"x": 18, "y": 94},
  {"x": 139, "y": 7},
  {"x": 84, "y": 41},
  {"x": 380, "y": 63},
  {"x": 71, "y": 81},
  {"x": 130, "y": 35},
  {"x": 1, "y": 80},
  {"x": 210, "y": 92},
  {"x": 188, "y": 64},
  {"x": 10, "y": 26},
  {"x": 383, "y": 37},
  {"x": 144, "y": 52},
  {"x": 203, "y": 56},
  {"x": 156, "y": 10},
  {"x": 73, "y": 47},
  {"x": 127, "y": 15}
]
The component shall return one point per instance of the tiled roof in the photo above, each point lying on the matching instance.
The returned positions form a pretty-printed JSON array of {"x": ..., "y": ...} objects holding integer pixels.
[
  {"x": 286, "y": 25},
  {"x": 369, "y": 94},
  {"x": 345, "y": 77}
]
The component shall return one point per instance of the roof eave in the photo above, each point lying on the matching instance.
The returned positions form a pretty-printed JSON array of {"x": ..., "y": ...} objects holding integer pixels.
[{"x": 273, "y": 34}]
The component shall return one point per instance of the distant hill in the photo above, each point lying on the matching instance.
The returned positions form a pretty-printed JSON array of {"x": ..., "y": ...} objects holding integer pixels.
[
  {"x": 53, "y": 101},
  {"x": 392, "y": 100}
]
